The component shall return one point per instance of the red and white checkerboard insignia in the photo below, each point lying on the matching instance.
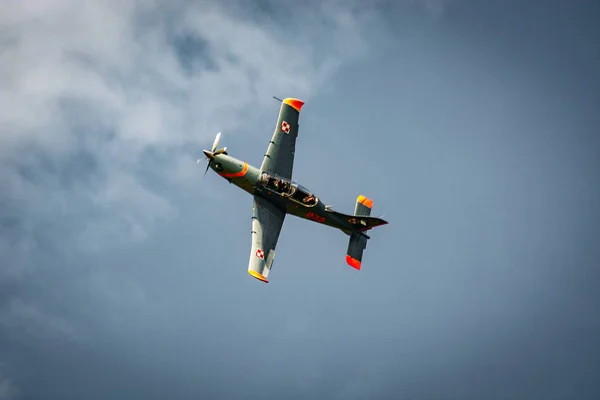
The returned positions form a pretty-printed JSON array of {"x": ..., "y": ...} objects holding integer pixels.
[
  {"x": 260, "y": 254},
  {"x": 285, "y": 127}
]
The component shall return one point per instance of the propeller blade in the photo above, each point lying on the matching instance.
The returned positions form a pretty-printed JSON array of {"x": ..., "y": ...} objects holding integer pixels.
[
  {"x": 216, "y": 142},
  {"x": 221, "y": 151},
  {"x": 209, "y": 156}
]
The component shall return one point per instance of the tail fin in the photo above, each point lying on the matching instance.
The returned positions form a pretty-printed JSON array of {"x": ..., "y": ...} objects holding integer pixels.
[
  {"x": 363, "y": 209},
  {"x": 363, "y": 206},
  {"x": 358, "y": 241}
]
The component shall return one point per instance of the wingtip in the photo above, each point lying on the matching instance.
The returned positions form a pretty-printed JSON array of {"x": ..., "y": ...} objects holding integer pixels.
[
  {"x": 258, "y": 276},
  {"x": 296, "y": 104},
  {"x": 353, "y": 262},
  {"x": 365, "y": 201}
]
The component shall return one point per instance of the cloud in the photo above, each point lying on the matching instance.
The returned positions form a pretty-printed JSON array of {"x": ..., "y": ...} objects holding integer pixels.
[
  {"x": 7, "y": 390},
  {"x": 108, "y": 103},
  {"x": 28, "y": 320},
  {"x": 95, "y": 91}
]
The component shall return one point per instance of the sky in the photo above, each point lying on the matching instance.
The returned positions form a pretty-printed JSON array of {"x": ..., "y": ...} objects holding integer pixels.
[{"x": 473, "y": 126}]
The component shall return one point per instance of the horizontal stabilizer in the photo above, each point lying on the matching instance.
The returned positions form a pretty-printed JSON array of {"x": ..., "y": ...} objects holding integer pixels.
[
  {"x": 362, "y": 212},
  {"x": 356, "y": 246},
  {"x": 371, "y": 222},
  {"x": 362, "y": 223}
]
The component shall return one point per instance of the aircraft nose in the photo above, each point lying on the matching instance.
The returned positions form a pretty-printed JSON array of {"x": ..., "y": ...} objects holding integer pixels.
[{"x": 209, "y": 154}]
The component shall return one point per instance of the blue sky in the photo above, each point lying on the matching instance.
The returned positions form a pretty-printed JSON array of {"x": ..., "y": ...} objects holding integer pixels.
[{"x": 473, "y": 125}]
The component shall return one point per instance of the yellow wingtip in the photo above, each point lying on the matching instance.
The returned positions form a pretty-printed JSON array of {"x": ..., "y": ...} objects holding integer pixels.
[
  {"x": 365, "y": 201},
  {"x": 296, "y": 104},
  {"x": 258, "y": 276}
]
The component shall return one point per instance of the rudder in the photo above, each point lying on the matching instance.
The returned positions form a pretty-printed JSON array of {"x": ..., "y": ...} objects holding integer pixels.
[
  {"x": 364, "y": 206},
  {"x": 358, "y": 243},
  {"x": 363, "y": 209}
]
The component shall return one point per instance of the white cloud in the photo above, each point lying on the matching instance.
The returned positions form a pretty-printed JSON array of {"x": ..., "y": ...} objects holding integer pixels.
[
  {"x": 104, "y": 77},
  {"x": 88, "y": 89}
]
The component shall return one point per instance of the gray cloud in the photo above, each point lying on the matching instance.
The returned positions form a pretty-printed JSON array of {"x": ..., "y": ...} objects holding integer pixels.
[
  {"x": 110, "y": 104},
  {"x": 95, "y": 88},
  {"x": 7, "y": 390},
  {"x": 122, "y": 271},
  {"x": 102, "y": 94},
  {"x": 26, "y": 319}
]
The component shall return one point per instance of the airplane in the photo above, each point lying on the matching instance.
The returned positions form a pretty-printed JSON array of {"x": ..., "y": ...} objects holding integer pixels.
[{"x": 275, "y": 195}]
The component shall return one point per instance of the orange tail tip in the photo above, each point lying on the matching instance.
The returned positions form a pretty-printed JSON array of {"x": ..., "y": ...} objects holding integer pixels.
[
  {"x": 354, "y": 263},
  {"x": 258, "y": 276},
  {"x": 296, "y": 104},
  {"x": 365, "y": 201}
]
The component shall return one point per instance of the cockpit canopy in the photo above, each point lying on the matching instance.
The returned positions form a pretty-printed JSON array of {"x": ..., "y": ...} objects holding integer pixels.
[{"x": 288, "y": 188}]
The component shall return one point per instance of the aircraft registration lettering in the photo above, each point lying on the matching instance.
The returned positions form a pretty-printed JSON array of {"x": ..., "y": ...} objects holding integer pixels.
[{"x": 315, "y": 217}]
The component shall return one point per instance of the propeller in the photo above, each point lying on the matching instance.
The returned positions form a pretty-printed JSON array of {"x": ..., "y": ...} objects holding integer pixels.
[
  {"x": 210, "y": 155},
  {"x": 216, "y": 142}
]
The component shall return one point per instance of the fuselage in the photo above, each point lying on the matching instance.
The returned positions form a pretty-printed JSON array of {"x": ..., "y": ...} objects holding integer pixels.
[{"x": 285, "y": 194}]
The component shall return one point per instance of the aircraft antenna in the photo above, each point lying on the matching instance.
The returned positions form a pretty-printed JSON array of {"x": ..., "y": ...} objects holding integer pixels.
[{"x": 278, "y": 99}]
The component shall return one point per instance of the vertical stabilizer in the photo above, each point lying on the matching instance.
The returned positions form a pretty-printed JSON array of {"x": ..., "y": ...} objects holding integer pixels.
[
  {"x": 363, "y": 206},
  {"x": 358, "y": 242}
]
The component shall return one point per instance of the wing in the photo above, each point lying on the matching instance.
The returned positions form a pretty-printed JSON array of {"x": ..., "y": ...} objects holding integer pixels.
[
  {"x": 267, "y": 221},
  {"x": 279, "y": 159}
]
